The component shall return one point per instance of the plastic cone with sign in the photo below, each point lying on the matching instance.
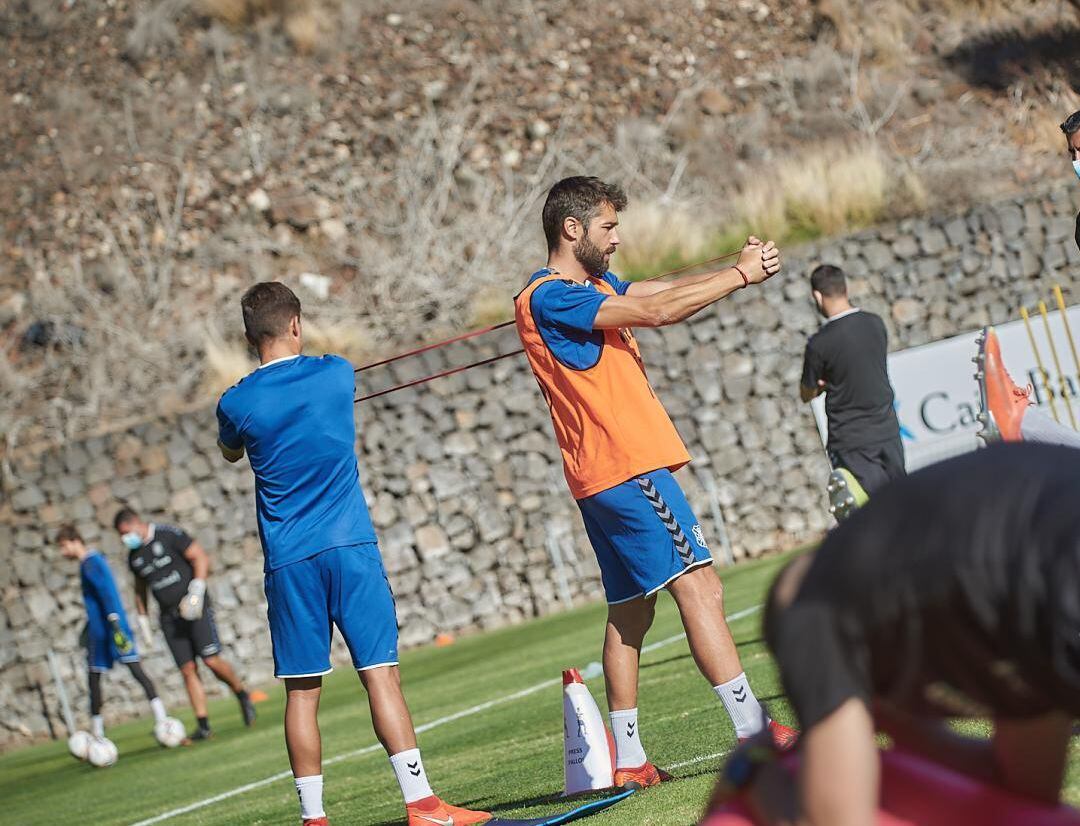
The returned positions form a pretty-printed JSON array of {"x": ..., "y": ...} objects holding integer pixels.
[{"x": 589, "y": 753}]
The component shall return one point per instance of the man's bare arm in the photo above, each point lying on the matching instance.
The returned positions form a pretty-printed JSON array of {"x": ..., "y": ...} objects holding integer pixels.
[
  {"x": 684, "y": 300},
  {"x": 230, "y": 454},
  {"x": 199, "y": 559},
  {"x": 643, "y": 289},
  {"x": 809, "y": 394},
  {"x": 839, "y": 776},
  {"x": 140, "y": 597}
]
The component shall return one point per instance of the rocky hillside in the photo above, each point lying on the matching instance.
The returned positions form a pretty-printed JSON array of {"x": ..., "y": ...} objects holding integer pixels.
[{"x": 160, "y": 155}]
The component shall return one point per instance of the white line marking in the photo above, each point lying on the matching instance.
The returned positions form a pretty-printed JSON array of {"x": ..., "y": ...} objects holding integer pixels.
[
  {"x": 701, "y": 759},
  {"x": 440, "y": 721}
]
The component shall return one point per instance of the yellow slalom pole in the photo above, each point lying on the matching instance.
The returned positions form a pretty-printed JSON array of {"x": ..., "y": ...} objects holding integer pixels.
[
  {"x": 1038, "y": 362},
  {"x": 1068, "y": 330},
  {"x": 1057, "y": 364}
]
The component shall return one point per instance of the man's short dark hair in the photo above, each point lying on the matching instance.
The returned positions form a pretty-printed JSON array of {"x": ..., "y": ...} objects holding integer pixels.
[
  {"x": 828, "y": 280},
  {"x": 268, "y": 308},
  {"x": 578, "y": 197},
  {"x": 125, "y": 514},
  {"x": 1071, "y": 125},
  {"x": 68, "y": 533}
]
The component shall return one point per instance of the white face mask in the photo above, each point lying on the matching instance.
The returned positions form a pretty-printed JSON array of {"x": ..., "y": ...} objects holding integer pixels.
[
  {"x": 1076, "y": 167},
  {"x": 132, "y": 541}
]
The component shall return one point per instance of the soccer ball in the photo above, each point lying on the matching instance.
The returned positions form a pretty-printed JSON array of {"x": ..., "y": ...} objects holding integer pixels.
[
  {"x": 169, "y": 732},
  {"x": 102, "y": 752},
  {"x": 79, "y": 744}
]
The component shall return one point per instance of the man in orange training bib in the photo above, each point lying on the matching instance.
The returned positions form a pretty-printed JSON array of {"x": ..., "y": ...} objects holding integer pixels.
[{"x": 619, "y": 448}]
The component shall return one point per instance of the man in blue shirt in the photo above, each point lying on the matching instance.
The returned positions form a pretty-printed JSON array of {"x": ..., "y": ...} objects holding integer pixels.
[
  {"x": 108, "y": 635},
  {"x": 293, "y": 416}
]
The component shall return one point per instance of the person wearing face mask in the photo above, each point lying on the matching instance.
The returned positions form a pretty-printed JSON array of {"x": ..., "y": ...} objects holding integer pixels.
[
  {"x": 1071, "y": 128},
  {"x": 845, "y": 359},
  {"x": 168, "y": 562}
]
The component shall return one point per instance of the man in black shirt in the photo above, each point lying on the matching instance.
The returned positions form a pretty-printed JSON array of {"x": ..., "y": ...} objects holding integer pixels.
[
  {"x": 896, "y": 624},
  {"x": 845, "y": 359},
  {"x": 168, "y": 562}
]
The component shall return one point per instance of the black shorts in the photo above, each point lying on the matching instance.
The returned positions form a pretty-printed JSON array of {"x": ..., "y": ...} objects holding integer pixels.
[
  {"x": 873, "y": 466},
  {"x": 190, "y": 639}
]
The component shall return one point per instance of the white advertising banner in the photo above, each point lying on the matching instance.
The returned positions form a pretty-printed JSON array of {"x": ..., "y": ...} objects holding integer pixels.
[{"x": 937, "y": 398}]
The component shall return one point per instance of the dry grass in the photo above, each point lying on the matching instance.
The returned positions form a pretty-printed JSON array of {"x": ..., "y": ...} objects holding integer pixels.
[
  {"x": 226, "y": 362},
  {"x": 344, "y": 338},
  {"x": 835, "y": 190},
  {"x": 307, "y": 23},
  {"x": 658, "y": 236}
]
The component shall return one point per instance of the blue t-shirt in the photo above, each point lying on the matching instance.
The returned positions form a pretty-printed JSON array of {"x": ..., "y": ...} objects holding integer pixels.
[
  {"x": 294, "y": 417},
  {"x": 565, "y": 311},
  {"x": 100, "y": 595}
]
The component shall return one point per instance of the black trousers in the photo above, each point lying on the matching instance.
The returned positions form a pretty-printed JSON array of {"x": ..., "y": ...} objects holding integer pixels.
[{"x": 874, "y": 465}]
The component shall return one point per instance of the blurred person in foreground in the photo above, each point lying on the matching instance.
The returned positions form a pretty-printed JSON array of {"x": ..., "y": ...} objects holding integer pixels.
[
  {"x": 575, "y": 319},
  {"x": 293, "y": 417},
  {"x": 846, "y": 360},
  {"x": 897, "y": 624}
]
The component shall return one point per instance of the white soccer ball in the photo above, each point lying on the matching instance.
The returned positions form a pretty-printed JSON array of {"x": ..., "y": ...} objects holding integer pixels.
[
  {"x": 79, "y": 744},
  {"x": 102, "y": 752},
  {"x": 169, "y": 732}
]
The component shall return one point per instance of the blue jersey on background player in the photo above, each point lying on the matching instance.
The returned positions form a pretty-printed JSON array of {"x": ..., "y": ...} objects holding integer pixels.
[
  {"x": 108, "y": 635},
  {"x": 294, "y": 418}
]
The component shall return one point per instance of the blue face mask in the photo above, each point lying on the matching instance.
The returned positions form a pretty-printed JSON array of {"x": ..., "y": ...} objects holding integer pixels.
[
  {"x": 132, "y": 541},
  {"x": 1076, "y": 167}
]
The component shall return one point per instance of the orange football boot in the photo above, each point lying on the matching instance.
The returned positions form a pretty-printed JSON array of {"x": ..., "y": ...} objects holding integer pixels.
[
  {"x": 642, "y": 777},
  {"x": 431, "y": 811},
  {"x": 1003, "y": 402}
]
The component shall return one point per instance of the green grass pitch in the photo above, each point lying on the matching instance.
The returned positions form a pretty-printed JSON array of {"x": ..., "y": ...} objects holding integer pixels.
[{"x": 504, "y": 758}]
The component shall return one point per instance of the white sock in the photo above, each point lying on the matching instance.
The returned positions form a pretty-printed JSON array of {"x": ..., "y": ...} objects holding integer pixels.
[
  {"x": 158, "y": 708},
  {"x": 97, "y": 726},
  {"x": 629, "y": 753},
  {"x": 310, "y": 791},
  {"x": 741, "y": 705},
  {"x": 409, "y": 769}
]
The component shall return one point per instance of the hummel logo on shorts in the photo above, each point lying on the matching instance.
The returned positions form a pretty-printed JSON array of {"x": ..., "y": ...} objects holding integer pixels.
[{"x": 699, "y": 537}]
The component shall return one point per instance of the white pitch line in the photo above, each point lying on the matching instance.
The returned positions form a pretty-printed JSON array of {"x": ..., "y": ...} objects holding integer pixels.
[
  {"x": 440, "y": 721},
  {"x": 692, "y": 761}
]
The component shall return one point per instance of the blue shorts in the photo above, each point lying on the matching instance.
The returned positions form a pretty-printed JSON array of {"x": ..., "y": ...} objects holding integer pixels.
[
  {"x": 644, "y": 535},
  {"x": 101, "y": 650},
  {"x": 346, "y": 587}
]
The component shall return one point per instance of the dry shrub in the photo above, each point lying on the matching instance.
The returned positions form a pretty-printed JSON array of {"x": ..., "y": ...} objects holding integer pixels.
[
  {"x": 828, "y": 192},
  {"x": 307, "y": 23},
  {"x": 226, "y": 362},
  {"x": 344, "y": 338},
  {"x": 493, "y": 305},
  {"x": 658, "y": 236}
]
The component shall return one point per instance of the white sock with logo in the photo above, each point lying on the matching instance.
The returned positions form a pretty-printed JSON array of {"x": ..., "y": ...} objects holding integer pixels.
[
  {"x": 741, "y": 705},
  {"x": 158, "y": 708},
  {"x": 97, "y": 726},
  {"x": 409, "y": 769},
  {"x": 309, "y": 790},
  {"x": 629, "y": 753}
]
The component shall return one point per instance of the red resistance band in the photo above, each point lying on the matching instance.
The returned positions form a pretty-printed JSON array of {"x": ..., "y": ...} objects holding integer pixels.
[{"x": 480, "y": 332}]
